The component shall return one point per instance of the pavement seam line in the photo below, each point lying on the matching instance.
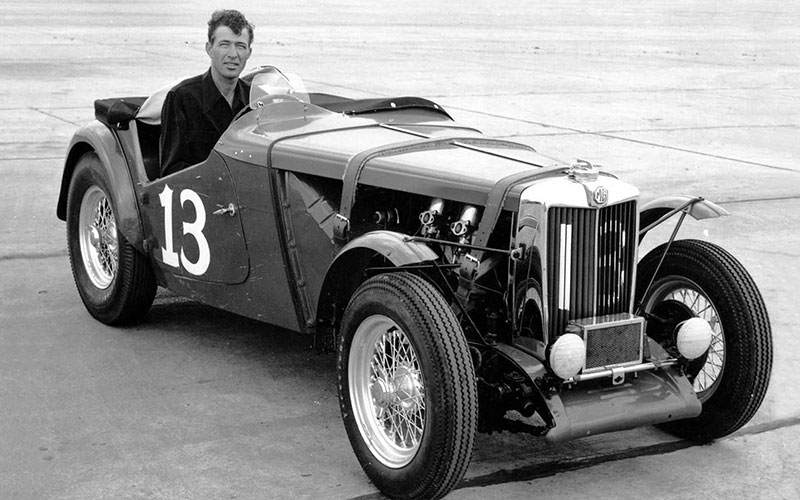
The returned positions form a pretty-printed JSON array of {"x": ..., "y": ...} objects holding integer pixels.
[
  {"x": 627, "y": 139},
  {"x": 33, "y": 256},
  {"x": 604, "y": 92},
  {"x": 51, "y": 115}
]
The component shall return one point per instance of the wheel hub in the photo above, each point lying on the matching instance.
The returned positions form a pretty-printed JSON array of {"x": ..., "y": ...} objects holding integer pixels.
[
  {"x": 382, "y": 393},
  {"x": 402, "y": 391},
  {"x": 407, "y": 388}
]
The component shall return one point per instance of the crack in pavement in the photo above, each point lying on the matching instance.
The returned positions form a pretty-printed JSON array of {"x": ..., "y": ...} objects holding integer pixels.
[
  {"x": 628, "y": 139},
  {"x": 610, "y": 92},
  {"x": 33, "y": 256},
  {"x": 674, "y": 129},
  {"x": 691, "y": 151},
  {"x": 51, "y": 115},
  {"x": 757, "y": 200},
  {"x": 31, "y": 158}
]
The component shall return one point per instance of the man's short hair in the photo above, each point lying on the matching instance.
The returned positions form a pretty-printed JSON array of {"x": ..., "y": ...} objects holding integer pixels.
[{"x": 233, "y": 19}]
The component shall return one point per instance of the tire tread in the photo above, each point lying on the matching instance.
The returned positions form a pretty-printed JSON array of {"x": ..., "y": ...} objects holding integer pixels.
[
  {"x": 132, "y": 292},
  {"x": 450, "y": 351},
  {"x": 747, "y": 335}
]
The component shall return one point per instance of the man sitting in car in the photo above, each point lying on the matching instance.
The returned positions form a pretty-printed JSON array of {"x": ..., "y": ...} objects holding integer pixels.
[{"x": 198, "y": 110}]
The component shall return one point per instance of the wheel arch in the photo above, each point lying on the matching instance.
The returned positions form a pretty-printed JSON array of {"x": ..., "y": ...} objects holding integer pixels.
[
  {"x": 347, "y": 272},
  {"x": 97, "y": 138}
]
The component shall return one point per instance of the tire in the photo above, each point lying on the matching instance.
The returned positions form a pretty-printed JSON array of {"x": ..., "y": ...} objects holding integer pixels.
[
  {"x": 698, "y": 278},
  {"x": 114, "y": 280},
  {"x": 407, "y": 387}
]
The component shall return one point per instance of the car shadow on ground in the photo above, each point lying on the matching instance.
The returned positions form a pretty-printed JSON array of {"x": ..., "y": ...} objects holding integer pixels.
[
  {"x": 274, "y": 355},
  {"x": 267, "y": 352}
]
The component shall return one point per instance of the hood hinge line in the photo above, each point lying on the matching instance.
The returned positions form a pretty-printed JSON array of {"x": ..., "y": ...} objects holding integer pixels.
[
  {"x": 473, "y": 143},
  {"x": 497, "y": 199}
]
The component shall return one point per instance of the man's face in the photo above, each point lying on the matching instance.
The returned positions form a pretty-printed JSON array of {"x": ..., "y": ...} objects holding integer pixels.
[{"x": 229, "y": 52}]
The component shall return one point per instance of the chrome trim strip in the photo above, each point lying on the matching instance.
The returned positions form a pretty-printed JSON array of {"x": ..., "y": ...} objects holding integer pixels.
[{"x": 651, "y": 365}]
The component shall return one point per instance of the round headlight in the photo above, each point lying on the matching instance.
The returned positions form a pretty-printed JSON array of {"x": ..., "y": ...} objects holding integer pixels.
[
  {"x": 567, "y": 355},
  {"x": 693, "y": 338}
]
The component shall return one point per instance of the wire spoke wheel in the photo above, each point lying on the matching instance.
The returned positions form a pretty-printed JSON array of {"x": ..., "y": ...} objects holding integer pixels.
[
  {"x": 114, "y": 280},
  {"x": 700, "y": 279},
  {"x": 678, "y": 290},
  {"x": 388, "y": 390},
  {"x": 97, "y": 229},
  {"x": 407, "y": 387}
]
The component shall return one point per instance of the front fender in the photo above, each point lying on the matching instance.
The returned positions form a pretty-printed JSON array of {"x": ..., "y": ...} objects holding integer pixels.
[
  {"x": 347, "y": 272},
  {"x": 700, "y": 209},
  {"x": 395, "y": 247},
  {"x": 97, "y": 138}
]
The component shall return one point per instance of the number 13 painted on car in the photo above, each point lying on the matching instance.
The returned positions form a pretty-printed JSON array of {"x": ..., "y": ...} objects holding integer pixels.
[{"x": 195, "y": 228}]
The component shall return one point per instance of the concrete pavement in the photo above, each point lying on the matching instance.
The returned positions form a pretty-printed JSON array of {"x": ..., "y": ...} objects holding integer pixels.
[{"x": 677, "y": 97}]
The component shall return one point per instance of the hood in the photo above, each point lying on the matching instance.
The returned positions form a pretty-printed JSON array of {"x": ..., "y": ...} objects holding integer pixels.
[{"x": 398, "y": 150}]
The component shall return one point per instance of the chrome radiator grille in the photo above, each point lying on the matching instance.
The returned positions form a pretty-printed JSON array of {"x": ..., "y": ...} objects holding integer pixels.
[{"x": 591, "y": 256}]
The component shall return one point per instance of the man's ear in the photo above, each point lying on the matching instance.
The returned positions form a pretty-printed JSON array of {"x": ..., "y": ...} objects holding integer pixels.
[{"x": 208, "y": 48}]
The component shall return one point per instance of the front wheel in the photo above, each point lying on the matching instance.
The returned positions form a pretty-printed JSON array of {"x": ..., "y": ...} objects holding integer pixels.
[
  {"x": 407, "y": 387},
  {"x": 115, "y": 282},
  {"x": 700, "y": 279}
]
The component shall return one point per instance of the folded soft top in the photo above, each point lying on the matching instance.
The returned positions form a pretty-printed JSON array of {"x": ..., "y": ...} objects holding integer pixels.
[{"x": 116, "y": 112}]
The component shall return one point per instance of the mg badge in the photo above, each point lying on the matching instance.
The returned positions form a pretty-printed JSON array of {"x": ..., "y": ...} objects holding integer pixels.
[{"x": 600, "y": 196}]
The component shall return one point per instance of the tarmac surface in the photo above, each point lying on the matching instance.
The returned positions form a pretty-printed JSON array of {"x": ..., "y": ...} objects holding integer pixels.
[{"x": 678, "y": 97}]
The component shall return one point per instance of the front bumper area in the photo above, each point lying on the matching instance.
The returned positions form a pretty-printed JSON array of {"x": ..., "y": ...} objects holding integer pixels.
[
  {"x": 581, "y": 409},
  {"x": 651, "y": 397}
]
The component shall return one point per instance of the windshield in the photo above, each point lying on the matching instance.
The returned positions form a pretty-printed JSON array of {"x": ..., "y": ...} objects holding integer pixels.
[
  {"x": 280, "y": 100},
  {"x": 268, "y": 85}
]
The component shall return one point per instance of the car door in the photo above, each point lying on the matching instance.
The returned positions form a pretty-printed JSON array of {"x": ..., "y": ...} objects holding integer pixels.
[{"x": 195, "y": 228}]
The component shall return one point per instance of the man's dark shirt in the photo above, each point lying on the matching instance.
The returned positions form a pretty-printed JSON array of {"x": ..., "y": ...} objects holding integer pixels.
[{"x": 194, "y": 116}]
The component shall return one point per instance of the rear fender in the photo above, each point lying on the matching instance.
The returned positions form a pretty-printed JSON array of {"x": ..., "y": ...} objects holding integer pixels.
[
  {"x": 97, "y": 138},
  {"x": 654, "y": 210},
  {"x": 348, "y": 271}
]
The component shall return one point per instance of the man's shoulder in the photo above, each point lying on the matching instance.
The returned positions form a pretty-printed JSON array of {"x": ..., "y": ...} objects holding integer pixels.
[{"x": 188, "y": 85}]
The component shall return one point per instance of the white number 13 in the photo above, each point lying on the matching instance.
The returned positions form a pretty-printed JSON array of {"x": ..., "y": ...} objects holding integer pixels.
[{"x": 195, "y": 229}]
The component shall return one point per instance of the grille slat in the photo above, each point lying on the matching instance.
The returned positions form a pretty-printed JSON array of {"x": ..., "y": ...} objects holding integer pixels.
[{"x": 591, "y": 256}]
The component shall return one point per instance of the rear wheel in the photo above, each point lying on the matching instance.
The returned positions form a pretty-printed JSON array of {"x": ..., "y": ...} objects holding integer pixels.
[
  {"x": 407, "y": 387},
  {"x": 699, "y": 279},
  {"x": 115, "y": 282}
]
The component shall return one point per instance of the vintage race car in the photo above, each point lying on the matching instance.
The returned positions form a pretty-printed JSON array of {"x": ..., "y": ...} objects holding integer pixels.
[{"x": 467, "y": 283}]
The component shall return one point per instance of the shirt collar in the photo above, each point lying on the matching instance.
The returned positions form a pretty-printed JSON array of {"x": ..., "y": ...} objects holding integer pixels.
[{"x": 211, "y": 93}]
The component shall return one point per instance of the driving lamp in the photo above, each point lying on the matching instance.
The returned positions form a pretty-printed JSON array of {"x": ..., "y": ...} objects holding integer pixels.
[
  {"x": 567, "y": 355},
  {"x": 693, "y": 338}
]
